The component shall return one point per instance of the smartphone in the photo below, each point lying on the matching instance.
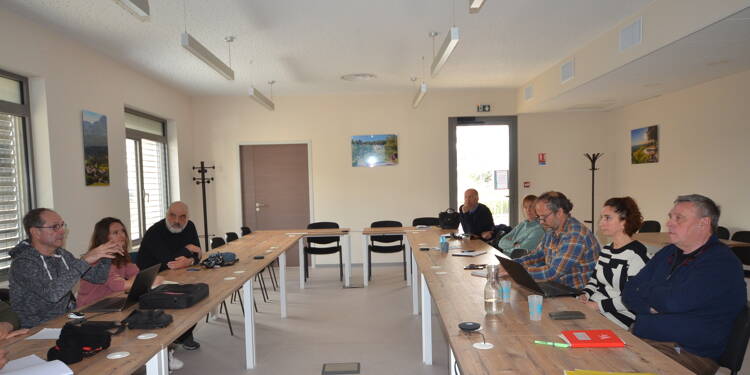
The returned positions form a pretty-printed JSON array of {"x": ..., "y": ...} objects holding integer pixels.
[{"x": 567, "y": 315}]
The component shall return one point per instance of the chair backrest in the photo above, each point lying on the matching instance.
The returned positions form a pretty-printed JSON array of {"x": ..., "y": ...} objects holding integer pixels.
[
  {"x": 5, "y": 295},
  {"x": 133, "y": 257},
  {"x": 246, "y": 231},
  {"x": 742, "y": 236},
  {"x": 216, "y": 242},
  {"x": 742, "y": 252},
  {"x": 650, "y": 226},
  {"x": 386, "y": 238},
  {"x": 722, "y": 233},
  {"x": 737, "y": 345},
  {"x": 231, "y": 236},
  {"x": 323, "y": 240},
  {"x": 429, "y": 221}
]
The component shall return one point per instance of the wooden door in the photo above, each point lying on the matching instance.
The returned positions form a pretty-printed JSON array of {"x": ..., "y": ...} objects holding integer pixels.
[{"x": 275, "y": 189}]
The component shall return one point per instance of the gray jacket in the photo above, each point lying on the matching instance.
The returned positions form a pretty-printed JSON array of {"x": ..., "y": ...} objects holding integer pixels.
[{"x": 40, "y": 286}]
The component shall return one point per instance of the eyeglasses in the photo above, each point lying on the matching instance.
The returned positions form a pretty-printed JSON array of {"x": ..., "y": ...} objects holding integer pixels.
[
  {"x": 541, "y": 218},
  {"x": 56, "y": 227}
]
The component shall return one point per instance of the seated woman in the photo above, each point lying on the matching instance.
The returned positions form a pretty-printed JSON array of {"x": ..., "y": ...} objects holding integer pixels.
[
  {"x": 618, "y": 261},
  {"x": 526, "y": 235}
]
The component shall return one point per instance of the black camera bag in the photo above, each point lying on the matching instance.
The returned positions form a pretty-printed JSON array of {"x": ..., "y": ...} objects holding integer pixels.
[{"x": 173, "y": 296}]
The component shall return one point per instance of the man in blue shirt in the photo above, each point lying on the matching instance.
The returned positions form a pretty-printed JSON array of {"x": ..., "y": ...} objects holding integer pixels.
[
  {"x": 689, "y": 294},
  {"x": 476, "y": 218}
]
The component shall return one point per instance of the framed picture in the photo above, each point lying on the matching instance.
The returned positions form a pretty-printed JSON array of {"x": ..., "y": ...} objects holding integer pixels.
[
  {"x": 95, "y": 149},
  {"x": 374, "y": 150},
  {"x": 644, "y": 145}
]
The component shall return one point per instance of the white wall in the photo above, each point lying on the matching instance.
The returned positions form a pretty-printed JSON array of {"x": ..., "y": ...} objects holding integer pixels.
[{"x": 67, "y": 78}]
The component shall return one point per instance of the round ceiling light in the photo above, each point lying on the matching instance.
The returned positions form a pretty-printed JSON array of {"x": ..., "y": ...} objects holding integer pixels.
[{"x": 358, "y": 77}]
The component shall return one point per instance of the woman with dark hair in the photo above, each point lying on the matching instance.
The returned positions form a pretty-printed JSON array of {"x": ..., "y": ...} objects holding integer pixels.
[{"x": 619, "y": 260}]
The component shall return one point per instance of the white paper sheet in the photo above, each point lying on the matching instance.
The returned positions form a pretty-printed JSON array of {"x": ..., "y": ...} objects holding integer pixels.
[
  {"x": 33, "y": 365},
  {"x": 46, "y": 334}
]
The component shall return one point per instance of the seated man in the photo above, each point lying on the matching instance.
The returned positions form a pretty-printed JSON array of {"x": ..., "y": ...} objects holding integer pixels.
[
  {"x": 173, "y": 243},
  {"x": 42, "y": 273},
  {"x": 526, "y": 235},
  {"x": 686, "y": 298},
  {"x": 476, "y": 218},
  {"x": 568, "y": 251}
]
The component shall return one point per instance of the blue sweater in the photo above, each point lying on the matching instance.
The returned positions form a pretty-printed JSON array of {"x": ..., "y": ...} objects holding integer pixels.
[{"x": 696, "y": 305}]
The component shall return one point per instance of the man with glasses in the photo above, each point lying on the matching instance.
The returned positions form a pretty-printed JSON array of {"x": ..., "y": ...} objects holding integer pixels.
[
  {"x": 568, "y": 252},
  {"x": 42, "y": 273}
]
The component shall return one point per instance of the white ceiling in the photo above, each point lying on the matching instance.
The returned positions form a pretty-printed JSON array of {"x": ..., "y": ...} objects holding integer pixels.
[{"x": 306, "y": 45}]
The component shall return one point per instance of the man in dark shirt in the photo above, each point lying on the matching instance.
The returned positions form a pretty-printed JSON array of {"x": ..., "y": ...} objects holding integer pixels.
[
  {"x": 476, "y": 218},
  {"x": 173, "y": 243}
]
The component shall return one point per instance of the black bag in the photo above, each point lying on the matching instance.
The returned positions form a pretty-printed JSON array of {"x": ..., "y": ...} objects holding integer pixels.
[
  {"x": 173, "y": 296},
  {"x": 79, "y": 339},
  {"x": 449, "y": 219},
  {"x": 147, "y": 319},
  {"x": 217, "y": 260}
]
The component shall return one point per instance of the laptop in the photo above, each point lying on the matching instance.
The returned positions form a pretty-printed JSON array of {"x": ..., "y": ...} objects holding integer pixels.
[
  {"x": 548, "y": 289},
  {"x": 141, "y": 285}
]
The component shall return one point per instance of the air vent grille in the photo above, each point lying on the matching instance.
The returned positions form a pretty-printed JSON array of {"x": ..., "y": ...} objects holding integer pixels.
[
  {"x": 567, "y": 71},
  {"x": 632, "y": 34}
]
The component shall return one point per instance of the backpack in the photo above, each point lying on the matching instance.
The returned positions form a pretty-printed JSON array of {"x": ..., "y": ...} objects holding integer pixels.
[
  {"x": 81, "y": 338},
  {"x": 449, "y": 219}
]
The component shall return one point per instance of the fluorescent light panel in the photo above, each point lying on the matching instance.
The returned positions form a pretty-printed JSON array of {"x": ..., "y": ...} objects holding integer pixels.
[
  {"x": 449, "y": 44},
  {"x": 201, "y": 52},
  {"x": 475, "y": 6},
  {"x": 420, "y": 95},
  {"x": 261, "y": 99},
  {"x": 138, "y": 8}
]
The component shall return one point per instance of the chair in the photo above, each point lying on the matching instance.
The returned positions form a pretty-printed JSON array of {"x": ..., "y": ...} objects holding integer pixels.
[
  {"x": 429, "y": 221},
  {"x": 722, "y": 233},
  {"x": 378, "y": 244},
  {"x": 5, "y": 295},
  {"x": 317, "y": 245},
  {"x": 232, "y": 236},
  {"x": 217, "y": 242},
  {"x": 246, "y": 231},
  {"x": 650, "y": 226},
  {"x": 737, "y": 345},
  {"x": 742, "y": 252}
]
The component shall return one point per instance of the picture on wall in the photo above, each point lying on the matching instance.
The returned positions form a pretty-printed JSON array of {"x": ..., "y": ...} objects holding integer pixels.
[
  {"x": 374, "y": 150},
  {"x": 644, "y": 145},
  {"x": 95, "y": 149}
]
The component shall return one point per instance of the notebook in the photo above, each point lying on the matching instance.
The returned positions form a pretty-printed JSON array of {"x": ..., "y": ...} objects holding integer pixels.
[
  {"x": 593, "y": 338},
  {"x": 141, "y": 285}
]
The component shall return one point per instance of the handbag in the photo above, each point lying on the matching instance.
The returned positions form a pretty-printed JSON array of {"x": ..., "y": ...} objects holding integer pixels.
[
  {"x": 449, "y": 219},
  {"x": 173, "y": 296}
]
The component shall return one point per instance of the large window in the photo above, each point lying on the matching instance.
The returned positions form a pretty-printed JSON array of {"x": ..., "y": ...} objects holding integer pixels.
[
  {"x": 15, "y": 163},
  {"x": 148, "y": 187}
]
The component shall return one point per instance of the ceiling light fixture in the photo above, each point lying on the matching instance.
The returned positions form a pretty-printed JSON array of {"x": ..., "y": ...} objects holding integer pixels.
[
  {"x": 358, "y": 77},
  {"x": 139, "y": 8},
  {"x": 475, "y": 6},
  {"x": 262, "y": 99},
  {"x": 420, "y": 95},
  {"x": 198, "y": 50},
  {"x": 449, "y": 44}
]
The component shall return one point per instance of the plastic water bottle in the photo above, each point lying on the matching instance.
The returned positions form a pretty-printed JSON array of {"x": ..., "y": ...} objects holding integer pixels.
[{"x": 493, "y": 297}]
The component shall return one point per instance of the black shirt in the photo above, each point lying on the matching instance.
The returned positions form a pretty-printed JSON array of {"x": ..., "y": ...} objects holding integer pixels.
[
  {"x": 478, "y": 221},
  {"x": 159, "y": 245}
]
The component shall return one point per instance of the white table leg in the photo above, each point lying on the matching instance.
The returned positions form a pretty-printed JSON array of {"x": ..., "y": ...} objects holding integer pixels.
[
  {"x": 247, "y": 295},
  {"x": 159, "y": 363},
  {"x": 426, "y": 324},
  {"x": 301, "y": 263},
  {"x": 365, "y": 263},
  {"x": 348, "y": 264},
  {"x": 452, "y": 363},
  {"x": 409, "y": 270},
  {"x": 414, "y": 289},
  {"x": 282, "y": 283}
]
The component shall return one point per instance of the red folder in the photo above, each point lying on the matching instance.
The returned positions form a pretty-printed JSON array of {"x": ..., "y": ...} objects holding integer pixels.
[{"x": 597, "y": 338}]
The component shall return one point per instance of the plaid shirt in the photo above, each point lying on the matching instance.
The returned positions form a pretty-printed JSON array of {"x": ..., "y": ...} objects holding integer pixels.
[{"x": 568, "y": 257}]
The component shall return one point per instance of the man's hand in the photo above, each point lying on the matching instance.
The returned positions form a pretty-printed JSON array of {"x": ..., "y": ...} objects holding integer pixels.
[
  {"x": 180, "y": 262},
  {"x": 193, "y": 248},
  {"x": 6, "y": 331},
  {"x": 652, "y": 310},
  {"x": 157, "y": 281},
  {"x": 106, "y": 250},
  {"x": 3, "y": 359},
  {"x": 487, "y": 235}
]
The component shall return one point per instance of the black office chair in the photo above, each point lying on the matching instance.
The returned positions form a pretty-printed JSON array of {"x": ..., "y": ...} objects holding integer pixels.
[
  {"x": 722, "y": 233},
  {"x": 737, "y": 345},
  {"x": 232, "y": 236},
  {"x": 246, "y": 231},
  {"x": 322, "y": 246},
  {"x": 650, "y": 226},
  {"x": 217, "y": 242},
  {"x": 429, "y": 221},
  {"x": 742, "y": 252},
  {"x": 379, "y": 244}
]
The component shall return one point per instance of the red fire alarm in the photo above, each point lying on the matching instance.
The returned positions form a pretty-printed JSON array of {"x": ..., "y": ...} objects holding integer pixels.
[{"x": 527, "y": 184}]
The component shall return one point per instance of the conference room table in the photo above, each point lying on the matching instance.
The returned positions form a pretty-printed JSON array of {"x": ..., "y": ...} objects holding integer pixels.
[
  {"x": 662, "y": 239},
  {"x": 458, "y": 297},
  {"x": 329, "y": 232},
  {"x": 152, "y": 352}
]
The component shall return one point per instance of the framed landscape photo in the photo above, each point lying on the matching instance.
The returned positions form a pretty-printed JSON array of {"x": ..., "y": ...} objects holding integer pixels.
[
  {"x": 374, "y": 150},
  {"x": 95, "y": 149},
  {"x": 644, "y": 145}
]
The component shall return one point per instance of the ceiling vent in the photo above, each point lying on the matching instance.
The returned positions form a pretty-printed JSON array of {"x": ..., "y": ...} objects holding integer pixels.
[
  {"x": 632, "y": 34},
  {"x": 528, "y": 92},
  {"x": 567, "y": 71}
]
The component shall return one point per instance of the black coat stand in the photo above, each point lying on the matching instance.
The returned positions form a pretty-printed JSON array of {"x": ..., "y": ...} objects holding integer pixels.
[
  {"x": 593, "y": 158},
  {"x": 202, "y": 181}
]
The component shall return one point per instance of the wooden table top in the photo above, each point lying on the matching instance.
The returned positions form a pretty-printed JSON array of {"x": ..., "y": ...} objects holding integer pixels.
[
  {"x": 318, "y": 232},
  {"x": 459, "y": 297},
  {"x": 395, "y": 230},
  {"x": 268, "y": 243},
  {"x": 662, "y": 239}
]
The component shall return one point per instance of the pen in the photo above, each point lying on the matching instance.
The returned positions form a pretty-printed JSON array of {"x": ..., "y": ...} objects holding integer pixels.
[{"x": 550, "y": 343}]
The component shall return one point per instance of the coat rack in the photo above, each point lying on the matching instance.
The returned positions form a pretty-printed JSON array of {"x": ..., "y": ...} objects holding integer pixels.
[
  {"x": 202, "y": 181},
  {"x": 593, "y": 158}
]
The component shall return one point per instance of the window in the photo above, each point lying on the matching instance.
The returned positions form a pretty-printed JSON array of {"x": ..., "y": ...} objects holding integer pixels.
[
  {"x": 15, "y": 164},
  {"x": 146, "y": 153}
]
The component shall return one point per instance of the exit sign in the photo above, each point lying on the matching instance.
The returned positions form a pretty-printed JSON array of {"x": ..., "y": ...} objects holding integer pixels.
[{"x": 483, "y": 108}]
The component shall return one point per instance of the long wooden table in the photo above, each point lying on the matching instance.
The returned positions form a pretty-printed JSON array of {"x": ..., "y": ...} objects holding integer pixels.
[
  {"x": 153, "y": 353},
  {"x": 662, "y": 239},
  {"x": 459, "y": 297}
]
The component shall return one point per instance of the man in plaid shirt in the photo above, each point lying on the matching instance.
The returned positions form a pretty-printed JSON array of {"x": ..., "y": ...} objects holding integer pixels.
[{"x": 568, "y": 252}]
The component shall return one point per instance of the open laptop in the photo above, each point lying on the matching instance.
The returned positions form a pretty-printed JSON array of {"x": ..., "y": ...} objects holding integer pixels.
[
  {"x": 519, "y": 274},
  {"x": 141, "y": 285}
]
